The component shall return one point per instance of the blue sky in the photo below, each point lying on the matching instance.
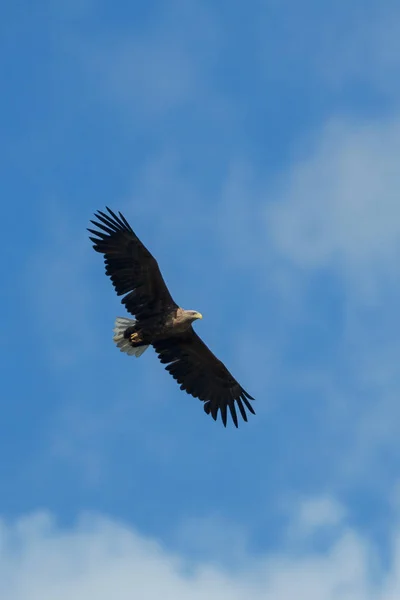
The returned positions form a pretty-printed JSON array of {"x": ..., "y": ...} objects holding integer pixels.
[{"x": 255, "y": 151}]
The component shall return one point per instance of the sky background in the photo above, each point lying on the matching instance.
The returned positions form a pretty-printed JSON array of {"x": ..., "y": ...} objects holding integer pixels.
[{"x": 255, "y": 149}]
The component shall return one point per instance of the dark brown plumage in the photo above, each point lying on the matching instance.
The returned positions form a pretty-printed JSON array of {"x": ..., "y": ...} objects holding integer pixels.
[{"x": 160, "y": 322}]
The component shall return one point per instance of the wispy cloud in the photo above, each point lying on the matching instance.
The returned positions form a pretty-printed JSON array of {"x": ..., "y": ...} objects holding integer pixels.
[
  {"x": 366, "y": 52},
  {"x": 323, "y": 239},
  {"x": 338, "y": 206},
  {"x": 353, "y": 52},
  {"x": 158, "y": 68}
]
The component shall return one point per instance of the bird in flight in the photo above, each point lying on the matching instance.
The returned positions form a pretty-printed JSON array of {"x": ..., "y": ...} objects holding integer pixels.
[{"x": 161, "y": 323}]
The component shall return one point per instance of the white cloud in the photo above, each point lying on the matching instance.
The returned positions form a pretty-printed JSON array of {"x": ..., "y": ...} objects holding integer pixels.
[
  {"x": 339, "y": 206},
  {"x": 99, "y": 558}
]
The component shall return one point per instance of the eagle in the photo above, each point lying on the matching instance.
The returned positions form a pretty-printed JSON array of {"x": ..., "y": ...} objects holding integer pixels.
[{"x": 160, "y": 322}]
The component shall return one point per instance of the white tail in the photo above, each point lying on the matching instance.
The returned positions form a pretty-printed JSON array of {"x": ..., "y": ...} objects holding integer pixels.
[{"x": 121, "y": 324}]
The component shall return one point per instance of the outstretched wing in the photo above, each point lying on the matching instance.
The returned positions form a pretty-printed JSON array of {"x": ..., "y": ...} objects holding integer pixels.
[
  {"x": 131, "y": 267},
  {"x": 202, "y": 375}
]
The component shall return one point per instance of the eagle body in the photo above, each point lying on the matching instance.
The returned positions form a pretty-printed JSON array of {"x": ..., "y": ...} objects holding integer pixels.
[
  {"x": 161, "y": 323},
  {"x": 160, "y": 327}
]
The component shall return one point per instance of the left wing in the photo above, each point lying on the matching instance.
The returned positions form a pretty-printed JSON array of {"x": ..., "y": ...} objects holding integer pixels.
[
  {"x": 132, "y": 269},
  {"x": 202, "y": 375}
]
